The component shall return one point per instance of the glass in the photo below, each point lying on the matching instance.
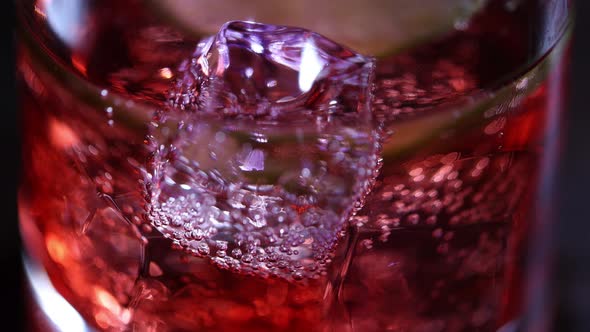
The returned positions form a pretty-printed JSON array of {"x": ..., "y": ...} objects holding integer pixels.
[{"x": 364, "y": 166}]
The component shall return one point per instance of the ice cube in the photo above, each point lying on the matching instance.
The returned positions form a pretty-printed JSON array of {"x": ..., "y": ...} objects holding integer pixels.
[
  {"x": 253, "y": 69},
  {"x": 273, "y": 171}
]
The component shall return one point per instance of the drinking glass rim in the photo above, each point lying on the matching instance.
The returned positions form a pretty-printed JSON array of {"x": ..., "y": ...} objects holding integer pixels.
[{"x": 466, "y": 111}]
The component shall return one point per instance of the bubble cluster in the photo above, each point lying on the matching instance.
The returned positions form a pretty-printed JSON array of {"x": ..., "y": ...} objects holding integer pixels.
[
  {"x": 284, "y": 225},
  {"x": 447, "y": 191},
  {"x": 412, "y": 83}
]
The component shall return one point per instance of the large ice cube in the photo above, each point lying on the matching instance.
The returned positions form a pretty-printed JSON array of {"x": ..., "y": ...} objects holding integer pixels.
[
  {"x": 253, "y": 69},
  {"x": 261, "y": 177}
]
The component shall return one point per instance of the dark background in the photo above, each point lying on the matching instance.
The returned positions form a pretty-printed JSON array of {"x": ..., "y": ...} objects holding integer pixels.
[
  {"x": 572, "y": 199},
  {"x": 573, "y": 196}
]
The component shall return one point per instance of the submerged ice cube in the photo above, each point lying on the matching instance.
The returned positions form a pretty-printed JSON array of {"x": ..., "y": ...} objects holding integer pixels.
[
  {"x": 253, "y": 69},
  {"x": 261, "y": 178}
]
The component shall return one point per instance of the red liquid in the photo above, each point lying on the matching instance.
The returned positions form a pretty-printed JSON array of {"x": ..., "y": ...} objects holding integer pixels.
[{"x": 439, "y": 245}]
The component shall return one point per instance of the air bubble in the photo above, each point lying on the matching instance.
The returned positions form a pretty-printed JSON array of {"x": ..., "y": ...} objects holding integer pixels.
[
  {"x": 298, "y": 275},
  {"x": 247, "y": 258},
  {"x": 413, "y": 219},
  {"x": 437, "y": 233},
  {"x": 237, "y": 253},
  {"x": 203, "y": 248}
]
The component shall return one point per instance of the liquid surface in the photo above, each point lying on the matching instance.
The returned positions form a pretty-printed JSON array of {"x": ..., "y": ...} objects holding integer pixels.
[{"x": 269, "y": 179}]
